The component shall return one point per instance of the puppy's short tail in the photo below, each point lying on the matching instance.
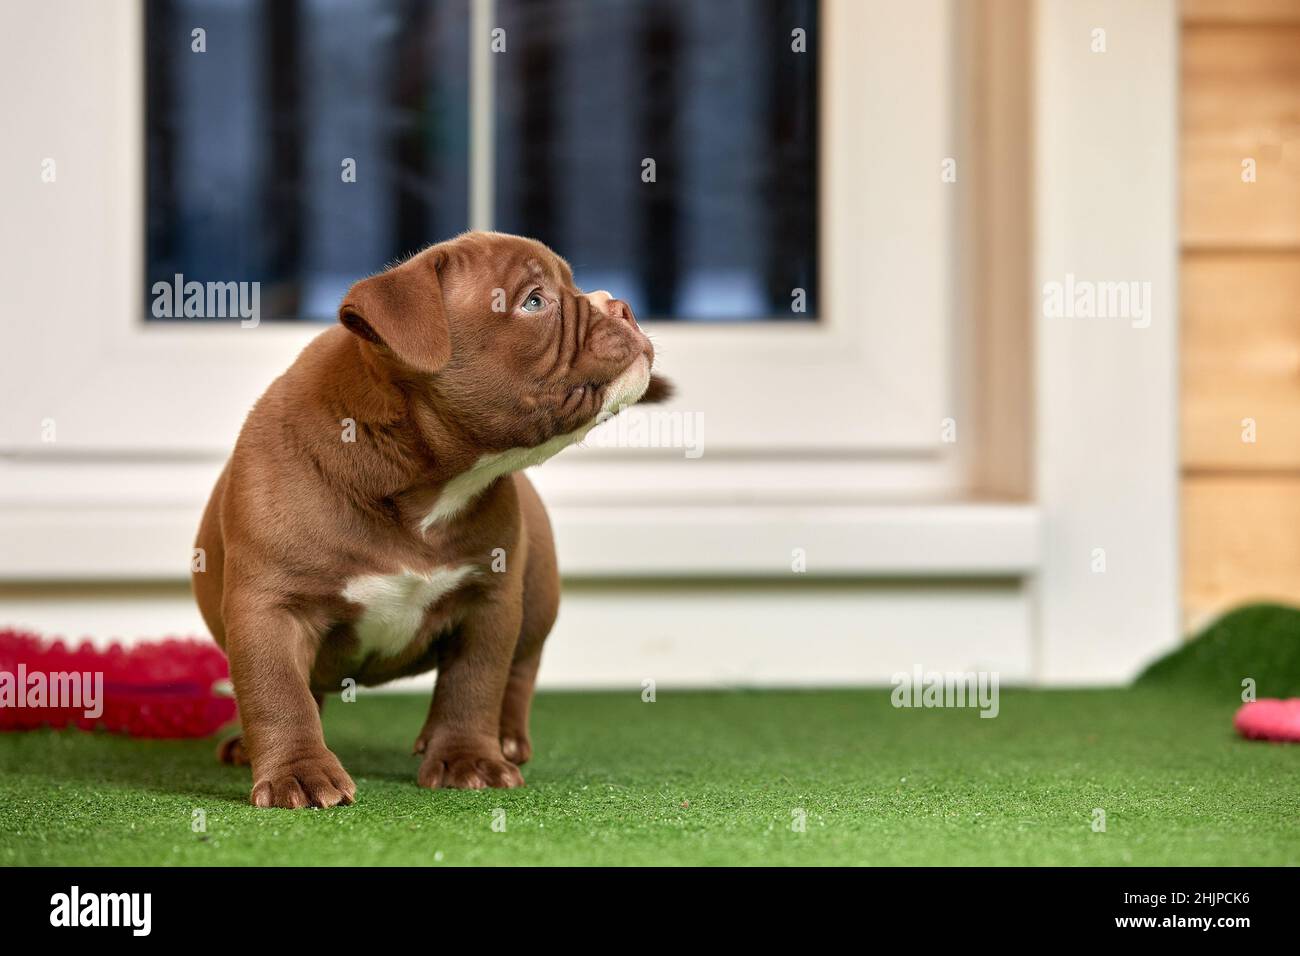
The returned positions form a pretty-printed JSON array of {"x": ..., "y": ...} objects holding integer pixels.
[{"x": 659, "y": 390}]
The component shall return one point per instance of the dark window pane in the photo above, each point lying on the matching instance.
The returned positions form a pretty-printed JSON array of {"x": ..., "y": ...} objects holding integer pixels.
[
  {"x": 714, "y": 94},
  {"x": 246, "y": 142}
]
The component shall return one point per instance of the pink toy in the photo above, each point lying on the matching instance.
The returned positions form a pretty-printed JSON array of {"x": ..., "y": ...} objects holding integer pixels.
[
  {"x": 1269, "y": 719},
  {"x": 171, "y": 688}
]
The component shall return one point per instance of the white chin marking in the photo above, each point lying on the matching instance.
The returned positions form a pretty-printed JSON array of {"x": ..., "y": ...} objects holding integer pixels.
[
  {"x": 625, "y": 390},
  {"x": 628, "y": 388}
]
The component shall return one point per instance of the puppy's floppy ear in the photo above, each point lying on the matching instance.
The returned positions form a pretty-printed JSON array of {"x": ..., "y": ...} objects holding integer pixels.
[
  {"x": 401, "y": 310},
  {"x": 659, "y": 390}
]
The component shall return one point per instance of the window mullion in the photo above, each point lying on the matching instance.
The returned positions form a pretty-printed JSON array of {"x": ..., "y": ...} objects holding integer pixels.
[{"x": 481, "y": 159}]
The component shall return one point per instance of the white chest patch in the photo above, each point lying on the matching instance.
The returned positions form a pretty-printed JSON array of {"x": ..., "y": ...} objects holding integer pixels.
[
  {"x": 395, "y": 605},
  {"x": 465, "y": 487}
]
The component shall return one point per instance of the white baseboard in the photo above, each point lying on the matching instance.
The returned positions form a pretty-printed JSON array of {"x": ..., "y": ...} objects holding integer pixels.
[{"x": 799, "y": 633}]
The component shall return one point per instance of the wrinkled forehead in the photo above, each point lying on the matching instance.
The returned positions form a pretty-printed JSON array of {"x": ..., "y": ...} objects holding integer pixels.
[{"x": 478, "y": 264}]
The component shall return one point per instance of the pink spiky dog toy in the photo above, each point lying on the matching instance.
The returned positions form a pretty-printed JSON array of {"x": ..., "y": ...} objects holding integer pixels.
[
  {"x": 171, "y": 688},
  {"x": 1270, "y": 719}
]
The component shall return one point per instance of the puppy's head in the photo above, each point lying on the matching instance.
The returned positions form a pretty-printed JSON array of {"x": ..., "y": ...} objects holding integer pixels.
[{"x": 494, "y": 330}]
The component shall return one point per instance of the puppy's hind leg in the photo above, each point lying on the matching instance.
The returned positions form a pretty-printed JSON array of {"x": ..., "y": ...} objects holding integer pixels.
[{"x": 516, "y": 743}]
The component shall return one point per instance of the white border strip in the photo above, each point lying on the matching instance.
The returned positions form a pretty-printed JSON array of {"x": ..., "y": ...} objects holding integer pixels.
[
  {"x": 152, "y": 542},
  {"x": 1107, "y": 409}
]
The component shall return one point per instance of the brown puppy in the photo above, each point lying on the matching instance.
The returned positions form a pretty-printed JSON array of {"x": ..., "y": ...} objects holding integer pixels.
[{"x": 372, "y": 521}]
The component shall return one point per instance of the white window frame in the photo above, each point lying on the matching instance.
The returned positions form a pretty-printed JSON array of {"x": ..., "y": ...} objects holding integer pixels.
[
  {"x": 841, "y": 410},
  {"x": 114, "y": 383}
]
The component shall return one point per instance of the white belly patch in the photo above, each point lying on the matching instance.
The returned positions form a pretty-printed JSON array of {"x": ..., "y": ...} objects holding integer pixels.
[{"x": 395, "y": 605}]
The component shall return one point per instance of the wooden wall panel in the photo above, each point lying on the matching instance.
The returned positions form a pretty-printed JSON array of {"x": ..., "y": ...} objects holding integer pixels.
[
  {"x": 1241, "y": 359},
  {"x": 1241, "y": 11},
  {"x": 1241, "y": 99},
  {"x": 1240, "y": 301},
  {"x": 1241, "y": 541}
]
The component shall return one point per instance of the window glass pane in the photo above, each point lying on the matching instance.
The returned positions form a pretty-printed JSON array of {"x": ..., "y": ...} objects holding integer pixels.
[
  {"x": 246, "y": 142},
  {"x": 715, "y": 95}
]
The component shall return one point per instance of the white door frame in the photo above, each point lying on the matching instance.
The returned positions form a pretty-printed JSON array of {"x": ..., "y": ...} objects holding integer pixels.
[{"x": 1107, "y": 398}]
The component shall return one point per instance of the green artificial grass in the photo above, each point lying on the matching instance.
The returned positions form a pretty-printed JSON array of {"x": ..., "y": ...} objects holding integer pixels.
[
  {"x": 722, "y": 777},
  {"x": 1260, "y": 642},
  {"x": 702, "y": 778}
]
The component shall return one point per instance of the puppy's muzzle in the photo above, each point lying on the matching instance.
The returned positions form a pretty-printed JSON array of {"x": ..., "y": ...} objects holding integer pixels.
[{"x": 621, "y": 313}]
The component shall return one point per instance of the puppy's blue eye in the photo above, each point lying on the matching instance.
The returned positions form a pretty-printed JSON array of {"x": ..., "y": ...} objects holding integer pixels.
[{"x": 534, "y": 303}]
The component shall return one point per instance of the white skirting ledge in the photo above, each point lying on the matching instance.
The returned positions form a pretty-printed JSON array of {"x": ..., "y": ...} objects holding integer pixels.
[
  {"x": 885, "y": 540},
  {"x": 135, "y": 542}
]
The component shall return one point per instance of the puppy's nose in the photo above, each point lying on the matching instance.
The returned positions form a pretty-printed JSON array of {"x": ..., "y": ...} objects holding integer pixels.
[
  {"x": 619, "y": 309},
  {"x": 612, "y": 307},
  {"x": 600, "y": 299}
]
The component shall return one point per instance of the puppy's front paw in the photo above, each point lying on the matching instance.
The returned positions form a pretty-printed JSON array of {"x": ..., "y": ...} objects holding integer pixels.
[
  {"x": 467, "y": 770},
  {"x": 318, "y": 780}
]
